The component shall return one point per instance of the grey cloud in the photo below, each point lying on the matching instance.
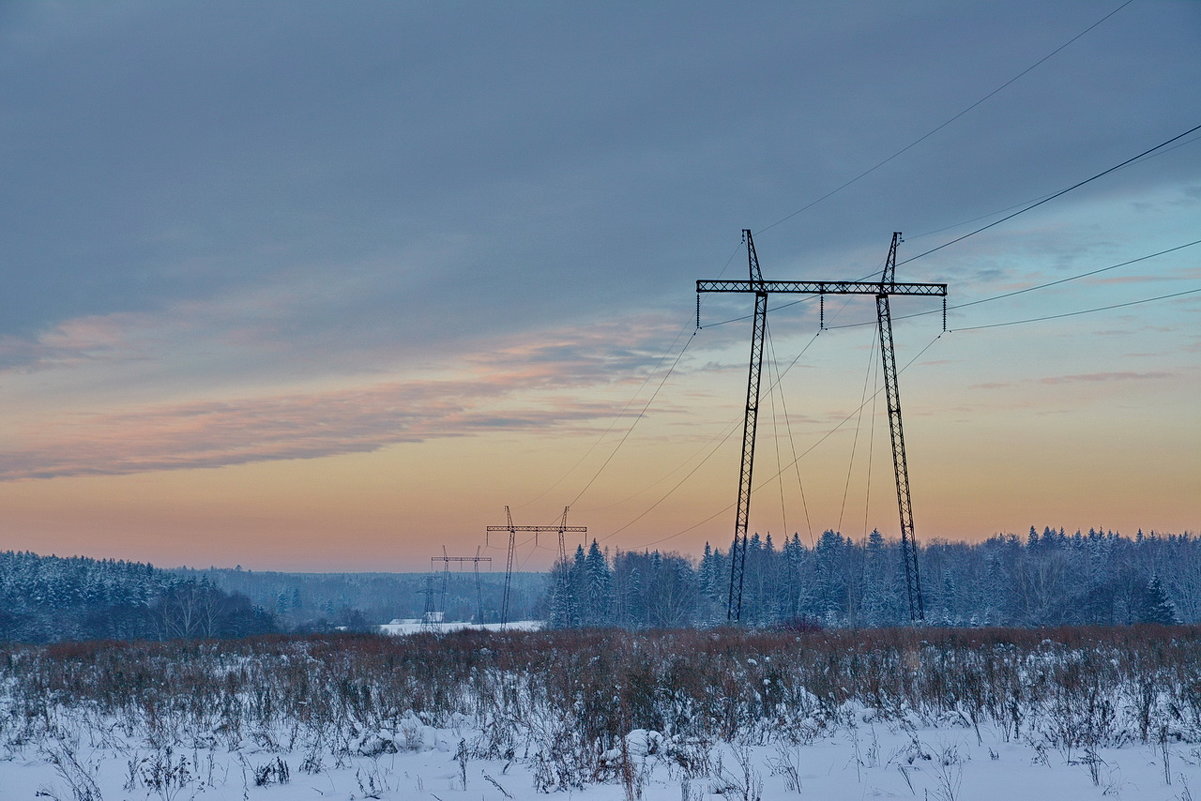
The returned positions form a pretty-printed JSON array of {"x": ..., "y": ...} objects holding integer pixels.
[{"x": 552, "y": 166}]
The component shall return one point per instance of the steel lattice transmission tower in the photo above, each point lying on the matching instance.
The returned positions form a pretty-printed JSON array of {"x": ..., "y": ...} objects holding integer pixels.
[
  {"x": 429, "y": 617},
  {"x": 479, "y": 588},
  {"x": 561, "y": 529},
  {"x": 882, "y": 290}
]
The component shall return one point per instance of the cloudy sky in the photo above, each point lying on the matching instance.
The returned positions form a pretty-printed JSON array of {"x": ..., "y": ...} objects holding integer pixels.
[{"x": 326, "y": 285}]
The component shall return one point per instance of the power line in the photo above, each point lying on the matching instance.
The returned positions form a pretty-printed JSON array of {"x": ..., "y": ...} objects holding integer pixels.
[
  {"x": 871, "y": 354},
  {"x": 935, "y": 130},
  {"x": 1081, "y": 311},
  {"x": 678, "y": 484},
  {"x": 664, "y": 477},
  {"x": 977, "y": 218},
  {"x": 791, "y": 440},
  {"x": 871, "y": 449},
  {"x": 763, "y": 483},
  {"x": 872, "y": 398},
  {"x": 1025, "y": 208},
  {"x": 621, "y": 414},
  {"x": 1079, "y": 276},
  {"x": 792, "y": 303},
  {"x": 1032, "y": 288},
  {"x": 775, "y": 424},
  {"x": 616, "y": 418},
  {"x": 709, "y": 455},
  {"x": 985, "y": 216},
  {"x": 641, "y": 414},
  {"x": 1049, "y": 198},
  {"x": 749, "y": 316}
]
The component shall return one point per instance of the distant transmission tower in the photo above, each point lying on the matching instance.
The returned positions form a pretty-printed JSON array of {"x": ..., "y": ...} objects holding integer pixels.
[
  {"x": 479, "y": 588},
  {"x": 882, "y": 289},
  {"x": 429, "y": 617},
  {"x": 561, "y": 529}
]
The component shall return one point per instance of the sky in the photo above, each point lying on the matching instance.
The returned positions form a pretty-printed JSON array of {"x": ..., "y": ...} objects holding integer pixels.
[{"x": 315, "y": 286}]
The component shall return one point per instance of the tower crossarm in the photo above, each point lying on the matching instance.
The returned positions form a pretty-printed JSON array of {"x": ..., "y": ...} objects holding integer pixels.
[
  {"x": 822, "y": 287},
  {"x": 542, "y": 529}
]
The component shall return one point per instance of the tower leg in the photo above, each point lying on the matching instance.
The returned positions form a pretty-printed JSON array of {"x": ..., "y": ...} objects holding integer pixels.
[
  {"x": 504, "y": 604},
  {"x": 749, "y": 423},
  {"x": 731, "y": 609},
  {"x": 913, "y": 583},
  {"x": 479, "y": 590}
]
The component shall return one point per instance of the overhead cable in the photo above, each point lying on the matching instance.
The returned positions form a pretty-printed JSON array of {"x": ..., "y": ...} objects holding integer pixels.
[
  {"x": 1032, "y": 288},
  {"x": 729, "y": 433},
  {"x": 640, "y": 415},
  {"x": 1049, "y": 198},
  {"x": 763, "y": 483},
  {"x": 1081, "y": 311},
  {"x": 618, "y": 416},
  {"x": 938, "y": 128}
]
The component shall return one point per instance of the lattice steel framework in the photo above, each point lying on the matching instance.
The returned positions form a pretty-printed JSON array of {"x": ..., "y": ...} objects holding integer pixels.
[
  {"x": 428, "y": 616},
  {"x": 750, "y": 423},
  {"x": 479, "y": 587},
  {"x": 882, "y": 290},
  {"x": 561, "y": 529},
  {"x": 896, "y": 430}
]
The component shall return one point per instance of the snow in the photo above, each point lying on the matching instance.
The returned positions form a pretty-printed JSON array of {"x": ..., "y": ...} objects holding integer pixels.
[
  {"x": 333, "y": 718},
  {"x": 863, "y": 759},
  {"x": 403, "y": 626}
]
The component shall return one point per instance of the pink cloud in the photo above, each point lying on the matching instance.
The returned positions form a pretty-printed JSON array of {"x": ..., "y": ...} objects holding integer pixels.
[
  {"x": 505, "y": 383},
  {"x": 1082, "y": 378},
  {"x": 507, "y": 387},
  {"x": 1099, "y": 377},
  {"x": 83, "y": 340},
  {"x": 296, "y": 426},
  {"x": 1145, "y": 279}
]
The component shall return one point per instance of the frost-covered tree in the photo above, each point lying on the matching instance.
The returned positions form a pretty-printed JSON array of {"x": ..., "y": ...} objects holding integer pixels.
[
  {"x": 1156, "y": 606},
  {"x": 50, "y": 598},
  {"x": 598, "y": 589},
  {"x": 561, "y": 605},
  {"x": 1047, "y": 578}
]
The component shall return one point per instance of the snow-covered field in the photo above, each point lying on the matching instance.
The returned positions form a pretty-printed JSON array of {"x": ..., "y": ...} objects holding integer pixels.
[
  {"x": 402, "y": 626},
  {"x": 480, "y": 715},
  {"x": 866, "y": 760}
]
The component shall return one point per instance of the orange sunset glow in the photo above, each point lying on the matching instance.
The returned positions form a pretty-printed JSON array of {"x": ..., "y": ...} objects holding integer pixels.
[{"x": 330, "y": 297}]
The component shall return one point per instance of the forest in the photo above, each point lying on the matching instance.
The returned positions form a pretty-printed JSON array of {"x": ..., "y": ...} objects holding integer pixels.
[
  {"x": 315, "y": 602},
  {"x": 1046, "y": 579},
  {"x": 52, "y": 599}
]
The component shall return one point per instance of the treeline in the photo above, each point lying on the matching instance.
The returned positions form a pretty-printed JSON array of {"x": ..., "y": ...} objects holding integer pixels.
[
  {"x": 53, "y": 599},
  {"x": 1045, "y": 579},
  {"x": 318, "y": 602}
]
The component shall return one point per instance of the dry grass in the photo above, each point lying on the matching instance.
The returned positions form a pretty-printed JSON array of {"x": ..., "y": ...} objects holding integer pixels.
[{"x": 562, "y": 698}]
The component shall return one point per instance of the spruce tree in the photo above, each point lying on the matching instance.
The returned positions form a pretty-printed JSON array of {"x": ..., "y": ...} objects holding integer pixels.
[
  {"x": 599, "y": 588},
  {"x": 1156, "y": 606}
]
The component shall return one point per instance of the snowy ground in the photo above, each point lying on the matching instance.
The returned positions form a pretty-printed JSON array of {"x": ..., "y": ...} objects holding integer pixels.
[
  {"x": 744, "y": 716},
  {"x": 402, "y": 626},
  {"x": 867, "y": 760}
]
